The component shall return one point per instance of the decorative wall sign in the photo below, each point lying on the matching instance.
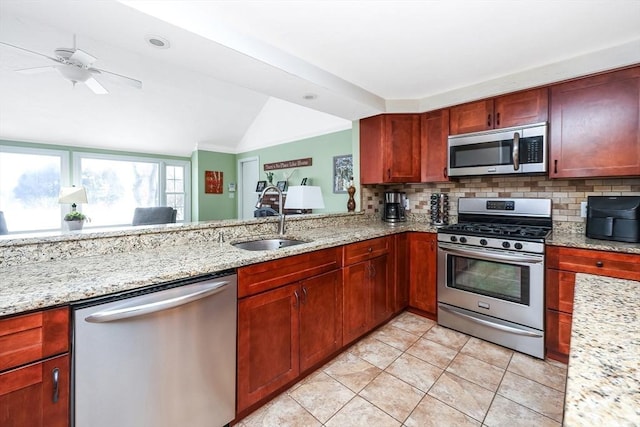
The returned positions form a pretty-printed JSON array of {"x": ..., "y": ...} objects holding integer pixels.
[
  {"x": 342, "y": 173},
  {"x": 289, "y": 164},
  {"x": 213, "y": 182}
]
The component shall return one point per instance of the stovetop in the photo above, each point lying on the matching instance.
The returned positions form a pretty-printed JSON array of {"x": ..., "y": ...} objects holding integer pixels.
[{"x": 498, "y": 230}]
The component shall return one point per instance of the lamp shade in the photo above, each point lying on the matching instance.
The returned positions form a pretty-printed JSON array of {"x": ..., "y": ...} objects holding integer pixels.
[
  {"x": 304, "y": 197},
  {"x": 72, "y": 195}
]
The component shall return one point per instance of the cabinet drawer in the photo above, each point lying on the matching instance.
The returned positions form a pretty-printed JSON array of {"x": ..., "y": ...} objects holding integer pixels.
[
  {"x": 368, "y": 249},
  {"x": 31, "y": 337},
  {"x": 601, "y": 263},
  {"x": 261, "y": 277}
]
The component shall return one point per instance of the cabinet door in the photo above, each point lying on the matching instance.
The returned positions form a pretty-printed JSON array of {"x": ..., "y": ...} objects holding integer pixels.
[
  {"x": 320, "y": 318},
  {"x": 595, "y": 126},
  {"x": 401, "y": 272},
  {"x": 560, "y": 286},
  {"x": 522, "y": 108},
  {"x": 268, "y": 343},
  {"x": 435, "y": 133},
  {"x": 558, "y": 335},
  {"x": 381, "y": 290},
  {"x": 355, "y": 301},
  {"x": 36, "y": 395},
  {"x": 402, "y": 148},
  {"x": 472, "y": 117},
  {"x": 423, "y": 273}
]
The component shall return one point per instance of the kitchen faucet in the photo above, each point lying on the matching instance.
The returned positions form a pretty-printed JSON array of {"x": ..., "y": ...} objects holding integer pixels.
[{"x": 280, "y": 212}]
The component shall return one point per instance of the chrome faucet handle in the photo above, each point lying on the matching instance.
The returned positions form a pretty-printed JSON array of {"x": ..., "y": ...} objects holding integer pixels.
[{"x": 221, "y": 237}]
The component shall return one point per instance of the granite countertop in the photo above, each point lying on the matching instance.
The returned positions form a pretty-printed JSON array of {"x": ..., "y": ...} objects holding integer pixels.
[
  {"x": 50, "y": 283},
  {"x": 603, "y": 380},
  {"x": 575, "y": 240}
]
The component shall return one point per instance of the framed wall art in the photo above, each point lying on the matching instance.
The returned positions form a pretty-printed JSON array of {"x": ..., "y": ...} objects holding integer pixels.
[{"x": 342, "y": 173}]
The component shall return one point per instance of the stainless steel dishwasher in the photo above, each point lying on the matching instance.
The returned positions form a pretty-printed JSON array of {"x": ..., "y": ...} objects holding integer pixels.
[{"x": 164, "y": 356}]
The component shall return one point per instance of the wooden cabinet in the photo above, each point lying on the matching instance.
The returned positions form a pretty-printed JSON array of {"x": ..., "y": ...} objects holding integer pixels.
[
  {"x": 401, "y": 272},
  {"x": 423, "y": 273},
  {"x": 560, "y": 277},
  {"x": 595, "y": 126},
  {"x": 390, "y": 148},
  {"x": 284, "y": 329},
  {"x": 520, "y": 108},
  {"x": 34, "y": 369},
  {"x": 434, "y": 137},
  {"x": 368, "y": 286}
]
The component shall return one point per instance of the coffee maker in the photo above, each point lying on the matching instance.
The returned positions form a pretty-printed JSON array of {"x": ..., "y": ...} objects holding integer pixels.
[{"x": 394, "y": 207}]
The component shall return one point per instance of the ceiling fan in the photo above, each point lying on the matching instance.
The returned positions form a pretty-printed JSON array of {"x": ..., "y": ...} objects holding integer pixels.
[{"x": 76, "y": 66}]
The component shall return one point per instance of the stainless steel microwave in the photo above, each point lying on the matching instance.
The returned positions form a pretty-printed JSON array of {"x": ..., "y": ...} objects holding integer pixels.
[{"x": 515, "y": 150}]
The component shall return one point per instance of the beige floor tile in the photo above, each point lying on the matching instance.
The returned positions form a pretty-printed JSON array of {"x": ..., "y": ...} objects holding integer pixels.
[
  {"x": 283, "y": 411},
  {"x": 322, "y": 396},
  {"x": 476, "y": 371},
  {"x": 432, "y": 352},
  {"x": 395, "y": 337},
  {"x": 414, "y": 371},
  {"x": 392, "y": 395},
  {"x": 358, "y": 413},
  {"x": 430, "y": 412},
  {"x": 542, "y": 399},
  {"x": 506, "y": 413},
  {"x": 375, "y": 352},
  {"x": 352, "y": 371},
  {"x": 538, "y": 370},
  {"x": 488, "y": 352},
  {"x": 447, "y": 337},
  {"x": 412, "y": 323},
  {"x": 462, "y": 395}
]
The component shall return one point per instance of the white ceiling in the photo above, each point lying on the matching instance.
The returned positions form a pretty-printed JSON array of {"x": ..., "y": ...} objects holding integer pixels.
[{"x": 236, "y": 73}]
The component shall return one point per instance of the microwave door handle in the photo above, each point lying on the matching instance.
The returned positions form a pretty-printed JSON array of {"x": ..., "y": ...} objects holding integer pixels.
[
  {"x": 516, "y": 151},
  {"x": 493, "y": 256}
]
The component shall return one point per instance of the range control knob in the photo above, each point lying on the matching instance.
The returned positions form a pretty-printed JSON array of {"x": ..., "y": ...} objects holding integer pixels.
[
  {"x": 453, "y": 238},
  {"x": 463, "y": 240},
  {"x": 483, "y": 242},
  {"x": 506, "y": 245},
  {"x": 518, "y": 246}
]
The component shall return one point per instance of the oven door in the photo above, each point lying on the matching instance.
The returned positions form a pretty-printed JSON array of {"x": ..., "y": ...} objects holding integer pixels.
[{"x": 496, "y": 283}]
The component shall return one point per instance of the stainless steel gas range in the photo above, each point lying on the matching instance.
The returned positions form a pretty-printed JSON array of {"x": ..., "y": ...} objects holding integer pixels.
[{"x": 491, "y": 271}]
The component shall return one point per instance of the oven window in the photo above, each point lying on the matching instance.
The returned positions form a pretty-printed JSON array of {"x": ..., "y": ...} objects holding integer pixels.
[{"x": 507, "y": 282}]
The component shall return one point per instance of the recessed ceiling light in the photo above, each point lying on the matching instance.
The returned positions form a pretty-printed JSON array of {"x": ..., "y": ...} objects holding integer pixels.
[
  {"x": 158, "y": 42},
  {"x": 309, "y": 96}
]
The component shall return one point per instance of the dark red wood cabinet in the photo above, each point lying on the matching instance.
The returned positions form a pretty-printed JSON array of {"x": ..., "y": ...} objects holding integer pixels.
[
  {"x": 423, "y": 273},
  {"x": 435, "y": 134}
]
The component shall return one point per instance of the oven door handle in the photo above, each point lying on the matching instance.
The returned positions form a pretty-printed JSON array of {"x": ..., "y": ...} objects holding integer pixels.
[
  {"x": 493, "y": 257},
  {"x": 504, "y": 328}
]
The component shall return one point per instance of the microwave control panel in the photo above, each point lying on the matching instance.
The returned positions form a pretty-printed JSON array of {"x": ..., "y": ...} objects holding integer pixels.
[{"x": 531, "y": 150}]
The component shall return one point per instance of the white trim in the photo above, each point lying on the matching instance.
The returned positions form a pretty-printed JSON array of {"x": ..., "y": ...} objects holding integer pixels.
[{"x": 239, "y": 192}]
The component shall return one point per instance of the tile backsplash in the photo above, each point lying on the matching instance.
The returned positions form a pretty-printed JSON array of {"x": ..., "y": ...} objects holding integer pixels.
[{"x": 566, "y": 194}]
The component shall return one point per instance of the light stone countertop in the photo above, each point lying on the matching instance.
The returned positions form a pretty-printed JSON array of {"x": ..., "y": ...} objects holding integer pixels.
[
  {"x": 603, "y": 380},
  {"x": 575, "y": 240},
  {"x": 51, "y": 283}
]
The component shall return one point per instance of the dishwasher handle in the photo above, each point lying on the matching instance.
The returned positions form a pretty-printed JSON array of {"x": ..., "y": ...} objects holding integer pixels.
[{"x": 134, "y": 309}]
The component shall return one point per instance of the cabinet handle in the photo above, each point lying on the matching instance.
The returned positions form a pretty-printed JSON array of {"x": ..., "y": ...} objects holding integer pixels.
[
  {"x": 599, "y": 264},
  {"x": 297, "y": 304},
  {"x": 489, "y": 120},
  {"x": 444, "y": 172},
  {"x": 370, "y": 249},
  {"x": 555, "y": 166},
  {"x": 498, "y": 119},
  {"x": 56, "y": 380},
  {"x": 304, "y": 291}
]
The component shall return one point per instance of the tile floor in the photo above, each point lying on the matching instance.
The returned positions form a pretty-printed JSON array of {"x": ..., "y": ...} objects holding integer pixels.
[{"x": 412, "y": 372}]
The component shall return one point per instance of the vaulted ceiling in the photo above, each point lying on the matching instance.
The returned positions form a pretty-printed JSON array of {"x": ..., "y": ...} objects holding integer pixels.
[{"x": 244, "y": 74}]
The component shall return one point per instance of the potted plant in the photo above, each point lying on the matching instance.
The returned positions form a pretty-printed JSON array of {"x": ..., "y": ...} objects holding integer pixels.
[{"x": 75, "y": 220}]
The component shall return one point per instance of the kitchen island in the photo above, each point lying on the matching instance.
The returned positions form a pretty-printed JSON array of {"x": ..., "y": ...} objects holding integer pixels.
[{"x": 603, "y": 380}]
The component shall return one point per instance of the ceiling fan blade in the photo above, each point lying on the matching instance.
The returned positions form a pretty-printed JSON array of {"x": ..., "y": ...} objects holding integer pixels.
[
  {"x": 95, "y": 86},
  {"x": 118, "y": 78},
  {"x": 30, "y": 51},
  {"x": 36, "y": 70},
  {"x": 83, "y": 58}
]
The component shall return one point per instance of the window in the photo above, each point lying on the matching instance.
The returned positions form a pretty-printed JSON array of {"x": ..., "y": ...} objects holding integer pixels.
[
  {"x": 30, "y": 181},
  {"x": 116, "y": 185}
]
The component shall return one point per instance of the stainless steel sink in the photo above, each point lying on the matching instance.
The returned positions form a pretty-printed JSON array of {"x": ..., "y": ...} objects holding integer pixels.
[{"x": 267, "y": 244}]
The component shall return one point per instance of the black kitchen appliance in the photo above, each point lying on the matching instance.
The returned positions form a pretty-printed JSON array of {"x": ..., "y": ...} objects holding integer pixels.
[
  {"x": 394, "y": 207},
  {"x": 614, "y": 218}
]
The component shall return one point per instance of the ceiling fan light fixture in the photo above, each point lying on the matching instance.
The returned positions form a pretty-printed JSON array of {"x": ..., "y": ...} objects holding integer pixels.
[
  {"x": 157, "y": 42},
  {"x": 73, "y": 73}
]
